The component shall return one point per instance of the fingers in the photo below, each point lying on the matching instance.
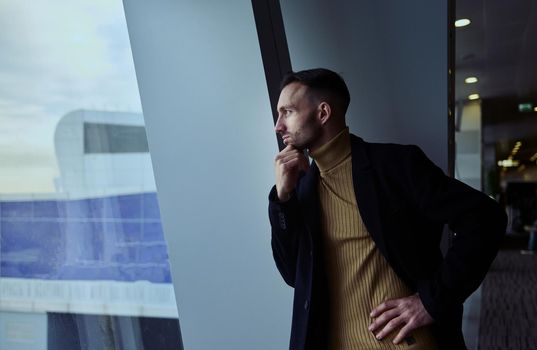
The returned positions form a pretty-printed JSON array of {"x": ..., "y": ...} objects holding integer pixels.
[
  {"x": 383, "y": 319},
  {"x": 284, "y": 158},
  {"x": 288, "y": 151},
  {"x": 393, "y": 324},
  {"x": 404, "y": 332},
  {"x": 290, "y": 154},
  {"x": 407, "y": 313},
  {"x": 388, "y": 304},
  {"x": 288, "y": 165}
]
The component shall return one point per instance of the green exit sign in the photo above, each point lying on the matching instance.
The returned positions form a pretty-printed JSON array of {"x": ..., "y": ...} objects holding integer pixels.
[{"x": 525, "y": 107}]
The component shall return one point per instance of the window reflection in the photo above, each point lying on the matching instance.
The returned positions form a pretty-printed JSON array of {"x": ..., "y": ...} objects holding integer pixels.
[{"x": 83, "y": 260}]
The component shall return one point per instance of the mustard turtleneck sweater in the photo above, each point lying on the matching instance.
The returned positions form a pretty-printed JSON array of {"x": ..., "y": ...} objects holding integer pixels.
[{"x": 359, "y": 276}]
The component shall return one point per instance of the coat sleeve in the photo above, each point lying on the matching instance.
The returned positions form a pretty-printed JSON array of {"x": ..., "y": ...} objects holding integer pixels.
[
  {"x": 477, "y": 221},
  {"x": 286, "y": 233}
]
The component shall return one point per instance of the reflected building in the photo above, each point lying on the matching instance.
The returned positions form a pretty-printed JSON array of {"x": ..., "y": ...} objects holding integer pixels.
[
  {"x": 101, "y": 153},
  {"x": 96, "y": 246}
]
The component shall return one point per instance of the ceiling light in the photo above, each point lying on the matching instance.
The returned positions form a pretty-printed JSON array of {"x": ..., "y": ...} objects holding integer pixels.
[
  {"x": 508, "y": 163},
  {"x": 473, "y": 97},
  {"x": 463, "y": 22},
  {"x": 535, "y": 109},
  {"x": 470, "y": 80}
]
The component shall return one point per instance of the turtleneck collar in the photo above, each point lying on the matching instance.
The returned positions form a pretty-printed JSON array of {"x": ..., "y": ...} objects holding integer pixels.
[{"x": 332, "y": 153}]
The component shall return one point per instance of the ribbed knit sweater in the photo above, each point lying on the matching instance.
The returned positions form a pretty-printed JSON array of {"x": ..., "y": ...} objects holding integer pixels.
[{"x": 359, "y": 276}]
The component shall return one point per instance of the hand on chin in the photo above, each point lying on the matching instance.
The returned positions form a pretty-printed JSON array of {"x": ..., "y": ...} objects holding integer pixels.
[{"x": 288, "y": 142}]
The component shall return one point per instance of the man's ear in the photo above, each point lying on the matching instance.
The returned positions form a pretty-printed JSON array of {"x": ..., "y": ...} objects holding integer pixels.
[{"x": 325, "y": 112}]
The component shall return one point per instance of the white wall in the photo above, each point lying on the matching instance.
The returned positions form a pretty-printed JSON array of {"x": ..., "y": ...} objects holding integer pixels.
[
  {"x": 210, "y": 133},
  {"x": 393, "y": 55}
]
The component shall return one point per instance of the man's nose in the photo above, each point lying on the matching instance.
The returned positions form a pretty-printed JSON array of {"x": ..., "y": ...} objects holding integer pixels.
[{"x": 279, "y": 127}]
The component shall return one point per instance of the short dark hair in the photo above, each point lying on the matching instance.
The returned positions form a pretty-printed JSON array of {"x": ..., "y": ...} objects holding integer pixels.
[{"x": 322, "y": 81}]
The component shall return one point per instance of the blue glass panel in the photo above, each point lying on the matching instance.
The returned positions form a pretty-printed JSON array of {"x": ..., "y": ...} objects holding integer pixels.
[
  {"x": 153, "y": 253},
  {"x": 91, "y": 272},
  {"x": 16, "y": 236},
  {"x": 49, "y": 235},
  {"x": 20, "y": 252},
  {"x": 158, "y": 273},
  {"x": 153, "y": 231},
  {"x": 50, "y": 238},
  {"x": 48, "y": 209},
  {"x": 81, "y": 243},
  {"x": 130, "y": 232},
  {"x": 150, "y": 206},
  {"x": 77, "y": 208},
  {"x": 130, "y": 206},
  {"x": 16, "y": 209},
  {"x": 81, "y": 239},
  {"x": 105, "y": 208}
]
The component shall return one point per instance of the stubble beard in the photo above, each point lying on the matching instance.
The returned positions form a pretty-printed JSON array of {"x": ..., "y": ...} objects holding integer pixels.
[
  {"x": 304, "y": 141},
  {"x": 306, "y": 136}
]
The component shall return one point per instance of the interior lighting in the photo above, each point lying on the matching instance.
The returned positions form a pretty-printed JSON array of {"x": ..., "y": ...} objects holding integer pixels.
[
  {"x": 463, "y": 22},
  {"x": 533, "y": 157},
  {"x": 535, "y": 109},
  {"x": 508, "y": 163},
  {"x": 473, "y": 97},
  {"x": 525, "y": 107},
  {"x": 514, "y": 151},
  {"x": 470, "y": 80}
]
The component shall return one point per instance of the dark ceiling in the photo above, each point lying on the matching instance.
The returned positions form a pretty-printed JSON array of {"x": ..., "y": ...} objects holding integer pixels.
[{"x": 499, "y": 47}]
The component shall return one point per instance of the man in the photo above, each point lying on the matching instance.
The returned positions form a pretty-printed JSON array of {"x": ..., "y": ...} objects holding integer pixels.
[{"x": 357, "y": 233}]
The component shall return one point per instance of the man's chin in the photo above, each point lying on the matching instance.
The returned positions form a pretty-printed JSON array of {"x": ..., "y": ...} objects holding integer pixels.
[
  {"x": 289, "y": 142},
  {"x": 298, "y": 147}
]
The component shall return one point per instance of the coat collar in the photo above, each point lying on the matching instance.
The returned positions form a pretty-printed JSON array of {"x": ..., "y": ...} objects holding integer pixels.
[
  {"x": 366, "y": 189},
  {"x": 360, "y": 159}
]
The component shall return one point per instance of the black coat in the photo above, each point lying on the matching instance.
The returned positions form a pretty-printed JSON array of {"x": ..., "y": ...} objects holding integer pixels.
[{"x": 404, "y": 201}]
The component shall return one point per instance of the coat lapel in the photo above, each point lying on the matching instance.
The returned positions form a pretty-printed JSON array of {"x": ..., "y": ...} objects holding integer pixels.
[
  {"x": 365, "y": 190},
  {"x": 308, "y": 196}
]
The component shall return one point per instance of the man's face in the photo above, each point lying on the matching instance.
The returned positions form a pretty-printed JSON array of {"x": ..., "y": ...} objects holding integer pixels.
[{"x": 297, "y": 122}]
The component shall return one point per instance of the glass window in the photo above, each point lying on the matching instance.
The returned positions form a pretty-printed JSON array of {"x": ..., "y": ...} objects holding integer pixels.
[{"x": 84, "y": 263}]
